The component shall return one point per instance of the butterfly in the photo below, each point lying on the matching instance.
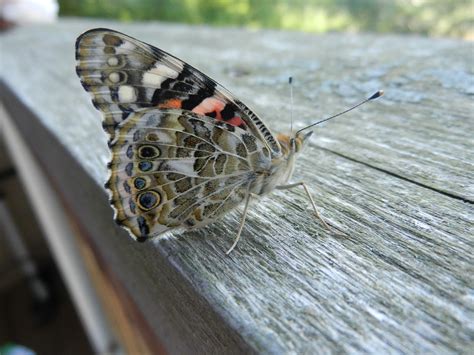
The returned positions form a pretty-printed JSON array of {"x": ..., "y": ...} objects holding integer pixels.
[{"x": 185, "y": 151}]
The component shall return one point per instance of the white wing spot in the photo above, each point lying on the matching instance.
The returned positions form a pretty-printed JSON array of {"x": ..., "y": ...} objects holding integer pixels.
[
  {"x": 152, "y": 79},
  {"x": 183, "y": 166},
  {"x": 112, "y": 61},
  {"x": 127, "y": 94},
  {"x": 127, "y": 46},
  {"x": 114, "y": 77},
  {"x": 159, "y": 73}
]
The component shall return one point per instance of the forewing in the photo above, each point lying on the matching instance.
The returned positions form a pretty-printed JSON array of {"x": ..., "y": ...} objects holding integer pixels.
[
  {"x": 173, "y": 168},
  {"x": 124, "y": 75}
]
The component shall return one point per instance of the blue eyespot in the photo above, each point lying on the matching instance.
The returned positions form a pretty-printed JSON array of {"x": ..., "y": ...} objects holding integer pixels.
[
  {"x": 145, "y": 165},
  {"x": 139, "y": 183},
  {"x": 148, "y": 200}
]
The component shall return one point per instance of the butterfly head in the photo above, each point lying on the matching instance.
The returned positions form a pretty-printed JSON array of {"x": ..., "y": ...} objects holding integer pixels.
[
  {"x": 292, "y": 145},
  {"x": 299, "y": 141}
]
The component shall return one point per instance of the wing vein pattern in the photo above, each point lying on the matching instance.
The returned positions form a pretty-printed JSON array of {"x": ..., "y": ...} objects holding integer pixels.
[{"x": 184, "y": 149}]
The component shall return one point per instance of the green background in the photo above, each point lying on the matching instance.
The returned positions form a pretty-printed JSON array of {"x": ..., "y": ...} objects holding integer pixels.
[{"x": 426, "y": 17}]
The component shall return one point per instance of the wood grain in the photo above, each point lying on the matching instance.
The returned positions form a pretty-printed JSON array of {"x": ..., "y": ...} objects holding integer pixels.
[{"x": 395, "y": 176}]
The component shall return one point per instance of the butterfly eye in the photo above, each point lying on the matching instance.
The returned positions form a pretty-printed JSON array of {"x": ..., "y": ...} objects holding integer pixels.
[
  {"x": 148, "y": 152},
  {"x": 148, "y": 200},
  {"x": 293, "y": 144}
]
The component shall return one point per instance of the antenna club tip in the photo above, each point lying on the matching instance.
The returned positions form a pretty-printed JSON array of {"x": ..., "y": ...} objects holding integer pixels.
[
  {"x": 290, "y": 80},
  {"x": 376, "y": 95}
]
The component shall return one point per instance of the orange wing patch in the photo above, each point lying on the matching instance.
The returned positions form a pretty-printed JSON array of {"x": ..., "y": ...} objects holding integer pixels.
[{"x": 171, "y": 103}]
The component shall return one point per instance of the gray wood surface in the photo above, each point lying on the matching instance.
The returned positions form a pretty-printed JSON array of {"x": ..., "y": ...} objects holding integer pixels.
[{"x": 396, "y": 176}]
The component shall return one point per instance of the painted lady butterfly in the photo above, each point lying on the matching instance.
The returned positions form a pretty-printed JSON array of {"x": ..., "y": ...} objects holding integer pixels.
[{"x": 185, "y": 151}]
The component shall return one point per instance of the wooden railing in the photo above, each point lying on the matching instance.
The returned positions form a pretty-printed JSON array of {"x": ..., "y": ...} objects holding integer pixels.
[{"x": 396, "y": 176}]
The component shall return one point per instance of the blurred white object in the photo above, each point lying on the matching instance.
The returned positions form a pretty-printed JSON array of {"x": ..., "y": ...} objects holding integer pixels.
[{"x": 22, "y": 12}]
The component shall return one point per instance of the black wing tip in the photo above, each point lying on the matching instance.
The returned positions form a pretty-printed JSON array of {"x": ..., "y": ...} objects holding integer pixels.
[{"x": 376, "y": 95}]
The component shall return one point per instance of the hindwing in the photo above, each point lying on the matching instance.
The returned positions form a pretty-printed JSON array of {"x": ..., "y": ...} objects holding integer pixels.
[{"x": 173, "y": 168}]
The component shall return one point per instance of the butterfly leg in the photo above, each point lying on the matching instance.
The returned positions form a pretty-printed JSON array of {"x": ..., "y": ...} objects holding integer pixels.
[
  {"x": 290, "y": 186},
  {"x": 242, "y": 222}
]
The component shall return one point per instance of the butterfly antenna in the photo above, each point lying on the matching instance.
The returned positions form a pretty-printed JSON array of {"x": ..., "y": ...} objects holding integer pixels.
[
  {"x": 373, "y": 97},
  {"x": 290, "y": 82}
]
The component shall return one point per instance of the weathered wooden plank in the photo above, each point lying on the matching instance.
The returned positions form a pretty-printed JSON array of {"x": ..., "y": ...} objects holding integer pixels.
[
  {"x": 401, "y": 281},
  {"x": 403, "y": 272}
]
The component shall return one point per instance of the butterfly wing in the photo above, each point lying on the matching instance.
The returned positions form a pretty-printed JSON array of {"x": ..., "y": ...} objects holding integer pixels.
[
  {"x": 173, "y": 168},
  {"x": 124, "y": 74},
  {"x": 184, "y": 150}
]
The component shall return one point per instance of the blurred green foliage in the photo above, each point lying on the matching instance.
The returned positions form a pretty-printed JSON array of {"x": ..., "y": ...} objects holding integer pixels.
[{"x": 426, "y": 17}]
